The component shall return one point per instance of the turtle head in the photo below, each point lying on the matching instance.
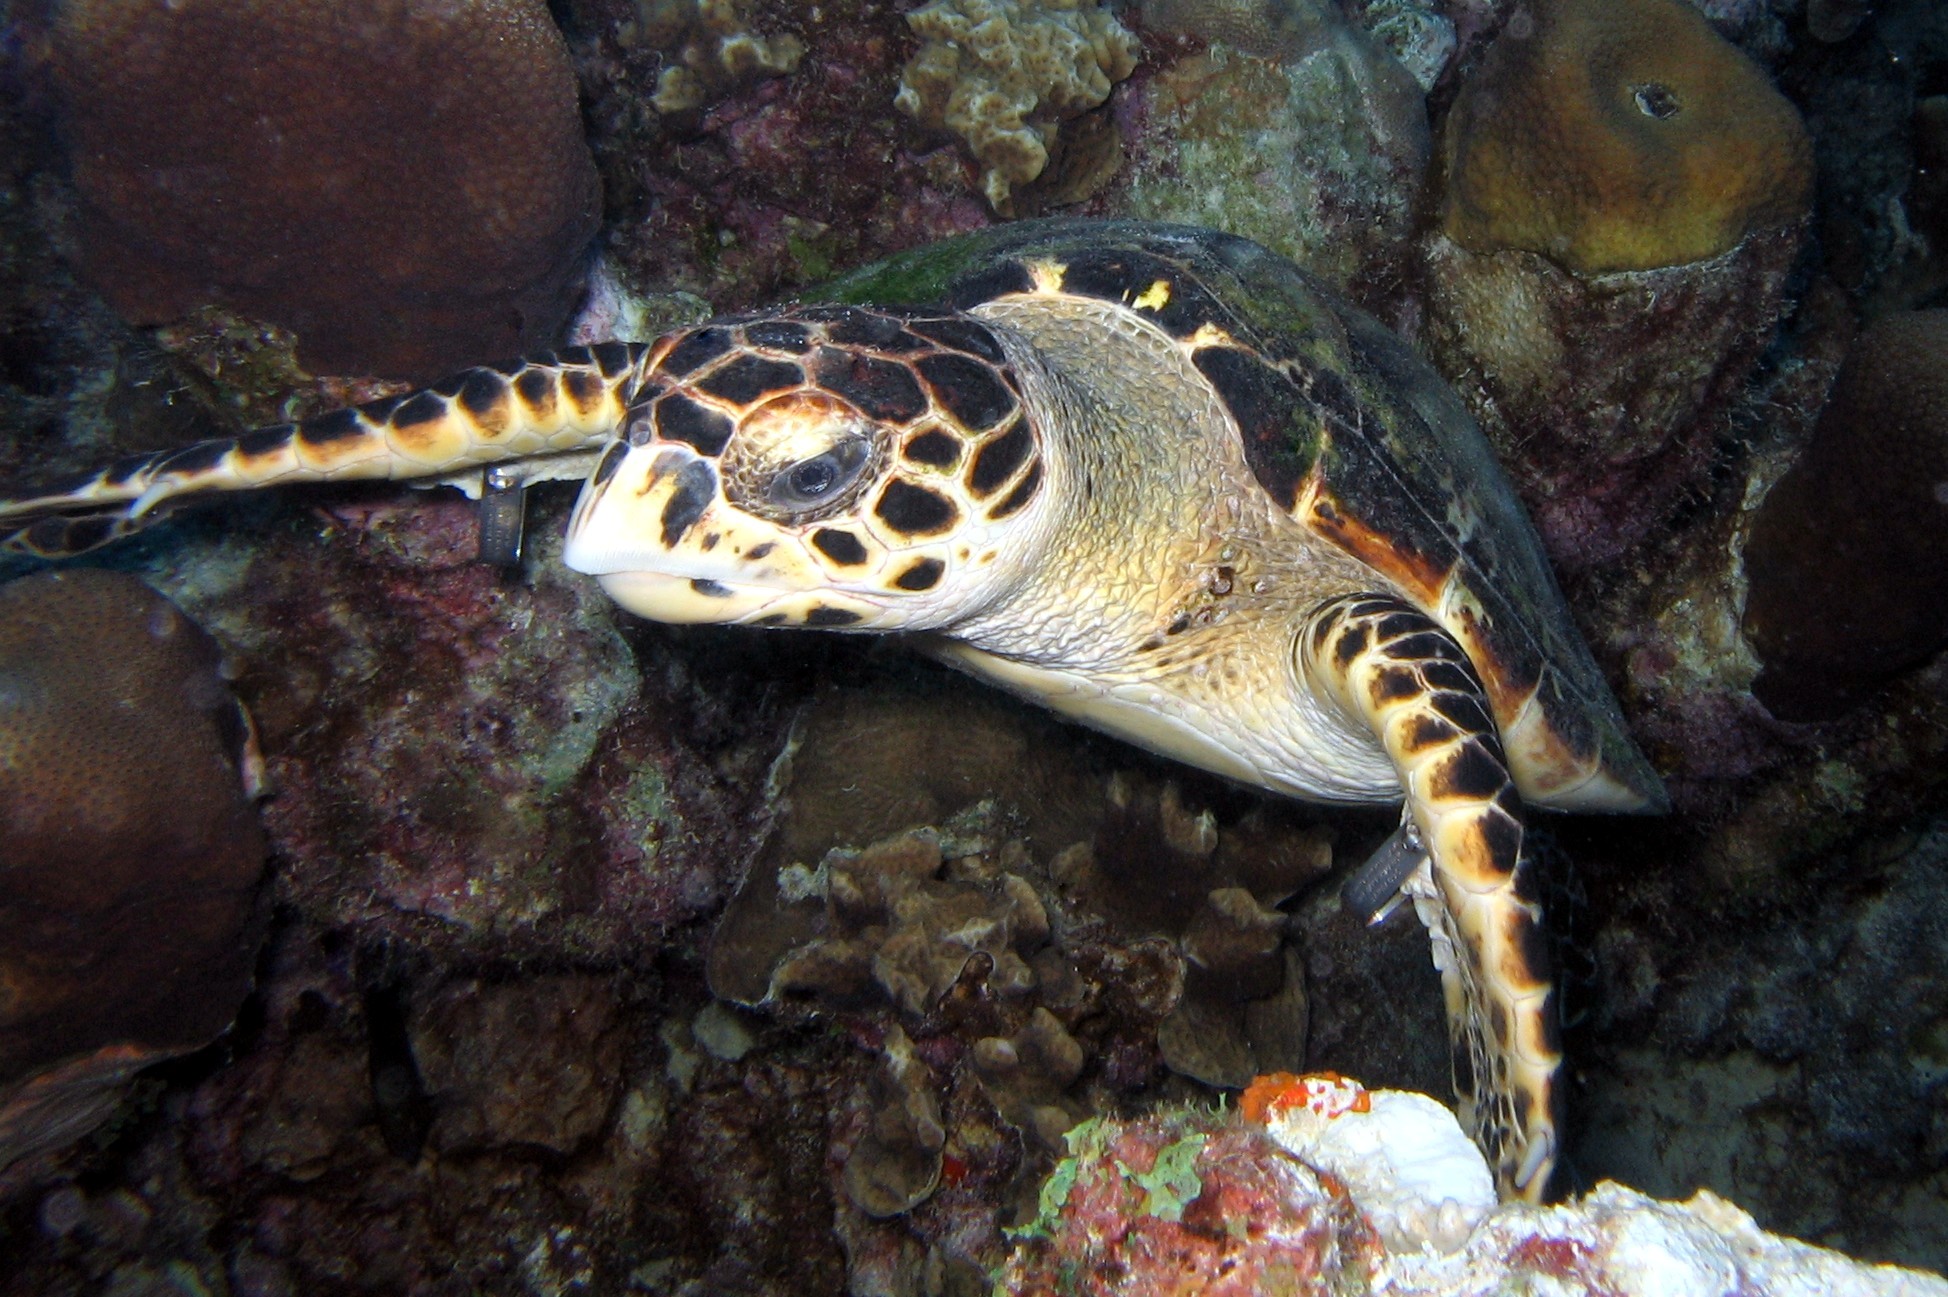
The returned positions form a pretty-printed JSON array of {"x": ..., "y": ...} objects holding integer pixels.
[{"x": 825, "y": 466}]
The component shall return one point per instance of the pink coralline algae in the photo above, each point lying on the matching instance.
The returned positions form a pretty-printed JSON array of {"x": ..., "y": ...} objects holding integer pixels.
[
  {"x": 471, "y": 760},
  {"x": 768, "y": 184},
  {"x": 1185, "y": 1203}
]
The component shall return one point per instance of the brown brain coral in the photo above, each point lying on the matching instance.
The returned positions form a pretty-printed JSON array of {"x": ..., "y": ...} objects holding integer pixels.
[
  {"x": 1620, "y": 136},
  {"x": 404, "y": 183},
  {"x": 129, "y": 853}
]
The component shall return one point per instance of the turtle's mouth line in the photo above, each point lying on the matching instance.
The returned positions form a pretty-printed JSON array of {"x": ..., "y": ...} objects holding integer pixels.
[{"x": 672, "y": 597}]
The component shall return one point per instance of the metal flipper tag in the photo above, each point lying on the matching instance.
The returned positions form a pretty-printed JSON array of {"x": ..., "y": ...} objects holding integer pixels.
[
  {"x": 1374, "y": 889},
  {"x": 503, "y": 513}
]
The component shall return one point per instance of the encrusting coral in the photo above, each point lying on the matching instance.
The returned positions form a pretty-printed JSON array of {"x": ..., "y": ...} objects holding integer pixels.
[
  {"x": 402, "y": 183},
  {"x": 1847, "y": 563},
  {"x": 129, "y": 850},
  {"x": 1004, "y": 74},
  {"x": 712, "y": 47},
  {"x": 1292, "y": 127},
  {"x": 1034, "y": 984},
  {"x": 1611, "y": 137}
]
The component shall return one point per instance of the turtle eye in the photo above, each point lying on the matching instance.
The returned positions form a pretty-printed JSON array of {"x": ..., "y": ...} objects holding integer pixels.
[{"x": 816, "y": 481}]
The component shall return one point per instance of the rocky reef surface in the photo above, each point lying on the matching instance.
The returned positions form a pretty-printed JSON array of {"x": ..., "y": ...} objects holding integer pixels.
[
  {"x": 1319, "y": 1186},
  {"x": 595, "y": 956}
]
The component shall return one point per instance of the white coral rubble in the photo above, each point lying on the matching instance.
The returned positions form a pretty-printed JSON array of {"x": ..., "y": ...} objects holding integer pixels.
[
  {"x": 1403, "y": 1157},
  {"x": 1003, "y": 74},
  {"x": 1426, "y": 1191}
]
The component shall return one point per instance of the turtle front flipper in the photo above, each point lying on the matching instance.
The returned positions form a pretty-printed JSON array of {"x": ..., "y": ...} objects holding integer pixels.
[
  {"x": 1395, "y": 671},
  {"x": 560, "y": 405}
]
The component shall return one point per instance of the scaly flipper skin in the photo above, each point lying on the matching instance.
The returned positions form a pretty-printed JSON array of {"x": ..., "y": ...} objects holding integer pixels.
[
  {"x": 556, "y": 404},
  {"x": 1395, "y": 670}
]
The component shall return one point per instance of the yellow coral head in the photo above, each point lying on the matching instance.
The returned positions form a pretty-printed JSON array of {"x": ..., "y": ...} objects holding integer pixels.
[{"x": 1614, "y": 135}]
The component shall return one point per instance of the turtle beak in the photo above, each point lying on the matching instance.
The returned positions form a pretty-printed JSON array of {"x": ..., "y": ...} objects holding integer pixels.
[
  {"x": 629, "y": 530},
  {"x": 637, "y": 508},
  {"x": 651, "y": 528}
]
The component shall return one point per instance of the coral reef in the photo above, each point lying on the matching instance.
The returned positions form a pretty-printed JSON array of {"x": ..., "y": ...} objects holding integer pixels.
[
  {"x": 1188, "y": 1201},
  {"x": 1420, "y": 35},
  {"x": 1269, "y": 29},
  {"x": 1865, "y": 99},
  {"x": 465, "y": 759},
  {"x": 1600, "y": 329},
  {"x": 904, "y": 919},
  {"x": 775, "y": 181},
  {"x": 1008, "y": 988},
  {"x": 896, "y": 1163},
  {"x": 1848, "y": 579},
  {"x": 1805, "y": 1034},
  {"x": 1003, "y": 75},
  {"x": 402, "y": 184},
  {"x": 1602, "y": 394},
  {"x": 488, "y": 1059},
  {"x": 1417, "y": 1177},
  {"x": 1293, "y": 128},
  {"x": 484, "y": 1054},
  {"x": 896, "y": 925},
  {"x": 129, "y": 851}
]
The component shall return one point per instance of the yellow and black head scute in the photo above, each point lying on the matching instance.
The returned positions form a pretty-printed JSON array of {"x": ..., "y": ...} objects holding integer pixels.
[
  {"x": 865, "y": 452},
  {"x": 940, "y": 382}
]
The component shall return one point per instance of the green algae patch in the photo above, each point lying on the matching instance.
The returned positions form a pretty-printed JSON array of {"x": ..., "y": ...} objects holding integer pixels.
[
  {"x": 1169, "y": 1185},
  {"x": 1172, "y": 1182}
]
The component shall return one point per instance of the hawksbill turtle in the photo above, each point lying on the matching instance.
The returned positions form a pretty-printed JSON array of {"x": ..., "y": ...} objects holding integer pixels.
[{"x": 1153, "y": 477}]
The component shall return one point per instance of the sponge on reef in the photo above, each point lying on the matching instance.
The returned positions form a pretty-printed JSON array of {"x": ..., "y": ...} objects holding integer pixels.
[
  {"x": 403, "y": 183},
  {"x": 1003, "y": 75},
  {"x": 1617, "y": 135}
]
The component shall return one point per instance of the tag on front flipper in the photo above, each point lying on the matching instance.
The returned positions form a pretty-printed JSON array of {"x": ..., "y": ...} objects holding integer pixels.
[
  {"x": 503, "y": 513},
  {"x": 1374, "y": 889}
]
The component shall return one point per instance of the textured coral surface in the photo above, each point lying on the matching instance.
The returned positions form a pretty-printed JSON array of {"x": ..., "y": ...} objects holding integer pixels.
[
  {"x": 1620, "y": 207},
  {"x": 1182, "y": 1203},
  {"x": 1605, "y": 394},
  {"x": 402, "y": 182},
  {"x": 129, "y": 852},
  {"x": 1257, "y": 135},
  {"x": 1619, "y": 137},
  {"x": 1002, "y": 75}
]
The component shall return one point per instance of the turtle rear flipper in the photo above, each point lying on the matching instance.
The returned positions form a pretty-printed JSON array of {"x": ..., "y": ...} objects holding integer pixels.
[
  {"x": 1395, "y": 671},
  {"x": 551, "y": 412}
]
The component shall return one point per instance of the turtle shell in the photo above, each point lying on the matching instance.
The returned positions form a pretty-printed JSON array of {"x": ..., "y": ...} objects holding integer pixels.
[{"x": 1352, "y": 434}]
